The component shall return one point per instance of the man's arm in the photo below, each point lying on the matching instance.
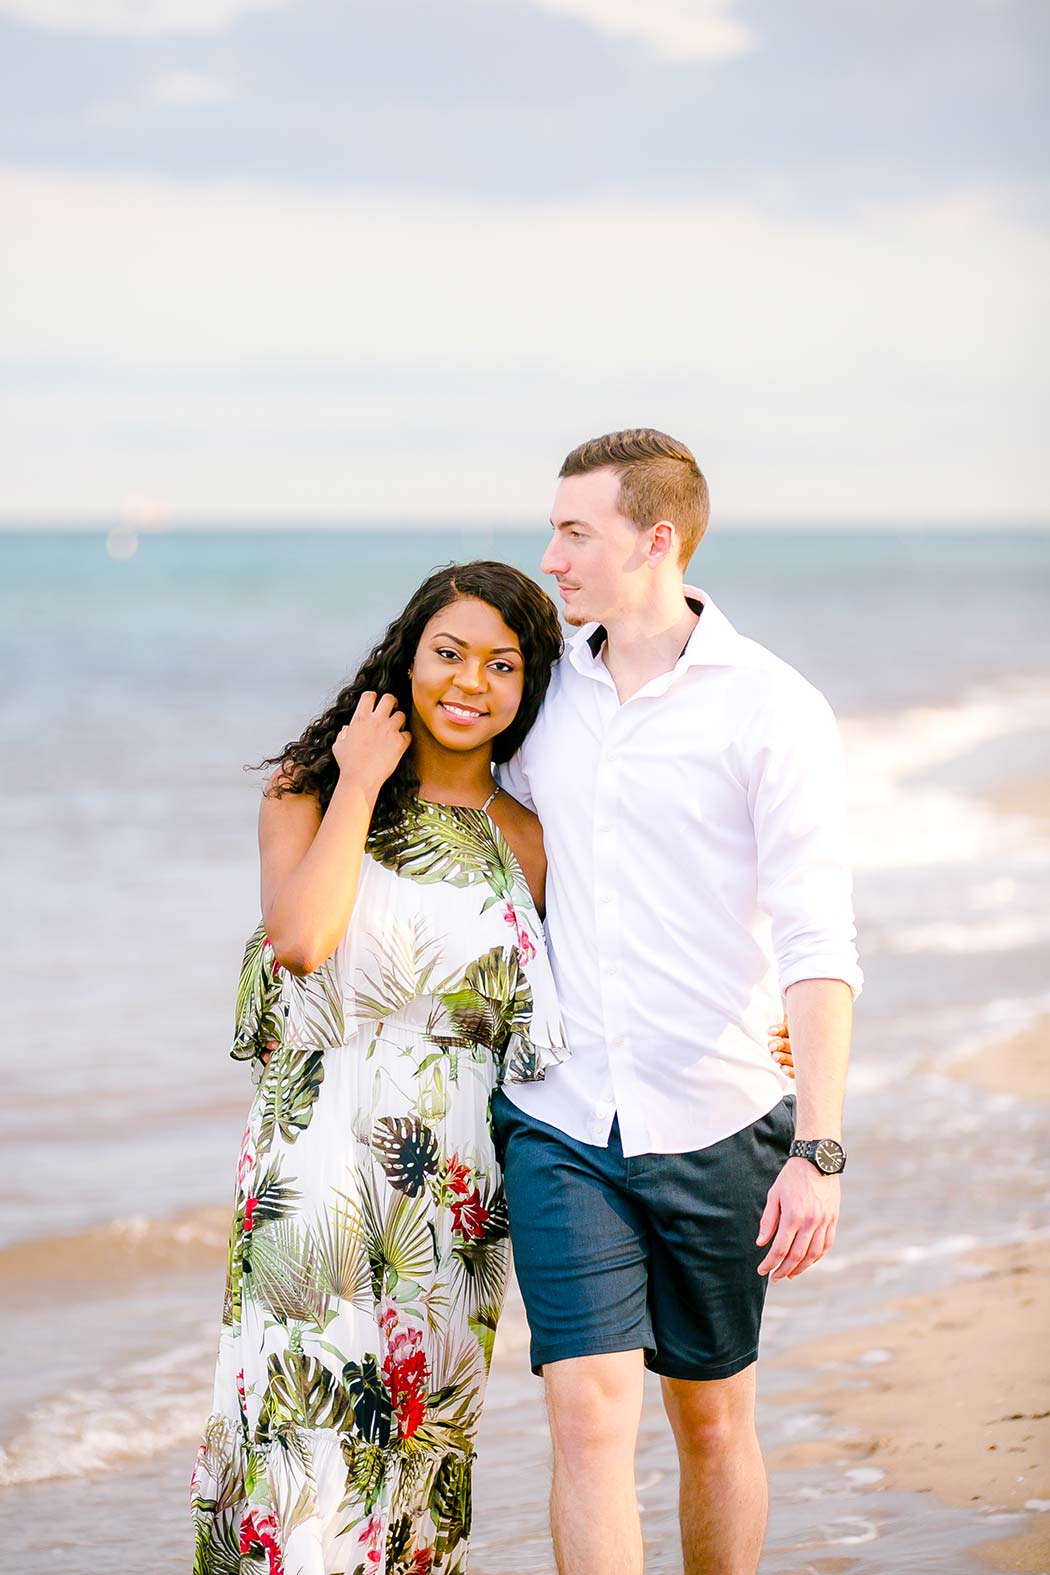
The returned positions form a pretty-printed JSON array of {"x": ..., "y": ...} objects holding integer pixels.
[
  {"x": 802, "y": 1208},
  {"x": 513, "y": 777},
  {"x": 797, "y": 796}
]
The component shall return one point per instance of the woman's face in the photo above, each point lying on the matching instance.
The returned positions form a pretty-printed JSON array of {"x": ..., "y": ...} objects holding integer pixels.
[{"x": 468, "y": 675}]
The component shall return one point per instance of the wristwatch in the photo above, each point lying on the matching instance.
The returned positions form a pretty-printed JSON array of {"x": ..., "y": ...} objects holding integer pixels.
[{"x": 828, "y": 1156}]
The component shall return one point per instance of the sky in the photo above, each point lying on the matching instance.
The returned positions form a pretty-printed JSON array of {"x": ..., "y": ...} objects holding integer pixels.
[{"x": 278, "y": 262}]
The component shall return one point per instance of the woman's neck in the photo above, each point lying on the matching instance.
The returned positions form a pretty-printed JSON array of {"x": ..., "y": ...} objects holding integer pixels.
[{"x": 450, "y": 777}]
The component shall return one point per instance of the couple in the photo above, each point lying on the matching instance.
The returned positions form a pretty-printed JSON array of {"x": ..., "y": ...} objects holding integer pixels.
[{"x": 432, "y": 1079}]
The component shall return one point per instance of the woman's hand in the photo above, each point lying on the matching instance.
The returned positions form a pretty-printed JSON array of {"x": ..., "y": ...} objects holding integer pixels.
[
  {"x": 780, "y": 1046},
  {"x": 369, "y": 748}
]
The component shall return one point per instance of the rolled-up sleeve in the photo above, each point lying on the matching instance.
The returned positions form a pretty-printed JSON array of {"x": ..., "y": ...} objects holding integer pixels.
[{"x": 796, "y": 780}]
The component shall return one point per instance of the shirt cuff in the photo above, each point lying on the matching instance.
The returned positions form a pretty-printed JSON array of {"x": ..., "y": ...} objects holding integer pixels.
[{"x": 828, "y": 966}]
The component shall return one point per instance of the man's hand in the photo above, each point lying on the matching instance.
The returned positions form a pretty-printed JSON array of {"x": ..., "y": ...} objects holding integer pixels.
[{"x": 802, "y": 1208}]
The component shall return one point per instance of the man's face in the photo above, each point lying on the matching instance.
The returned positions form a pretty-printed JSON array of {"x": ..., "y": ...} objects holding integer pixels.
[{"x": 596, "y": 555}]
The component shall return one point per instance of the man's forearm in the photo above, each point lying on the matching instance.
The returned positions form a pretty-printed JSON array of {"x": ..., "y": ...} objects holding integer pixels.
[{"x": 820, "y": 1018}]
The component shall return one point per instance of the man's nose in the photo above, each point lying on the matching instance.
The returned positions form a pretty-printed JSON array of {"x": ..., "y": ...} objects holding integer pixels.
[{"x": 553, "y": 560}]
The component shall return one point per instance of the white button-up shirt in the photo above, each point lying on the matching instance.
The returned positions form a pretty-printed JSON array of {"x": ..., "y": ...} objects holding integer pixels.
[{"x": 697, "y": 866}]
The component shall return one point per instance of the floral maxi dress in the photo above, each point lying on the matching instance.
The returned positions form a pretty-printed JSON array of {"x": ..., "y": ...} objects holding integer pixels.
[{"x": 369, "y": 1252}]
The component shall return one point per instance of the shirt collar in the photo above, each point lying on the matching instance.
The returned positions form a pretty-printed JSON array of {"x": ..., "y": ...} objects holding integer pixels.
[{"x": 713, "y": 643}]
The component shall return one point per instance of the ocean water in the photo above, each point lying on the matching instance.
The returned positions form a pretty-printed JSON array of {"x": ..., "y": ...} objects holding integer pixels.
[{"x": 134, "y": 693}]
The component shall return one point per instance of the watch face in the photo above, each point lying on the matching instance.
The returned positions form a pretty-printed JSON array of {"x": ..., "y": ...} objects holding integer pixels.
[{"x": 829, "y": 1156}]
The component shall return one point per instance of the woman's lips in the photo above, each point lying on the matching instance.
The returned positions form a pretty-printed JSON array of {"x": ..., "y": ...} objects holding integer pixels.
[{"x": 462, "y": 716}]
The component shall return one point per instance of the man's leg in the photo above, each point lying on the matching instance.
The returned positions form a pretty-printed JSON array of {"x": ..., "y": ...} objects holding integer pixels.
[
  {"x": 722, "y": 1498},
  {"x": 595, "y": 1405}
]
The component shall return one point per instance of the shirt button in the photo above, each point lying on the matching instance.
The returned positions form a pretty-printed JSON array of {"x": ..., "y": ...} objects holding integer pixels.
[
  {"x": 610, "y": 754},
  {"x": 618, "y": 1040},
  {"x": 603, "y": 826},
  {"x": 611, "y": 969},
  {"x": 606, "y": 898}
]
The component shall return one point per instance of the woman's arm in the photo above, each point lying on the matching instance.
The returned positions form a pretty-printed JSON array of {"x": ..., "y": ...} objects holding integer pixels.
[{"x": 311, "y": 864}]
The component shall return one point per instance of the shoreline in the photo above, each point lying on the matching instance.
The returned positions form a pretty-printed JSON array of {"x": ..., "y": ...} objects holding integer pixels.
[{"x": 949, "y": 1392}]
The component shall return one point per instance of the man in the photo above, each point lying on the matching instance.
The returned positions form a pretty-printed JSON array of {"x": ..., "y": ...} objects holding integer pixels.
[{"x": 691, "y": 791}]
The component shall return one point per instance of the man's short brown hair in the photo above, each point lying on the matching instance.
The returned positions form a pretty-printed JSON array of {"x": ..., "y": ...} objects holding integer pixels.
[{"x": 659, "y": 480}]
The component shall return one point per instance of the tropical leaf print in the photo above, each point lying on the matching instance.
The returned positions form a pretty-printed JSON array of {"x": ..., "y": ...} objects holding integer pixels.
[
  {"x": 491, "y": 999},
  {"x": 483, "y": 1326},
  {"x": 481, "y": 1263},
  {"x": 399, "y": 1236},
  {"x": 288, "y": 1092},
  {"x": 281, "y": 1274},
  {"x": 217, "y": 1492},
  {"x": 366, "y": 1466},
  {"x": 274, "y": 1198},
  {"x": 301, "y": 1390},
  {"x": 450, "y": 1502},
  {"x": 373, "y": 1411},
  {"x": 316, "y": 1007},
  {"x": 451, "y": 844},
  {"x": 403, "y": 971},
  {"x": 408, "y": 1152},
  {"x": 341, "y": 1260},
  {"x": 260, "y": 1015}
]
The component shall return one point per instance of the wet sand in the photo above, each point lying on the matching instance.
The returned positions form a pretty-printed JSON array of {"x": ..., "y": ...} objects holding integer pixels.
[
  {"x": 950, "y": 1394},
  {"x": 1020, "y": 1067}
]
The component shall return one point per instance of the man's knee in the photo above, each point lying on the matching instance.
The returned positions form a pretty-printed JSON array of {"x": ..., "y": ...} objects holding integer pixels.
[
  {"x": 594, "y": 1403},
  {"x": 709, "y": 1419}
]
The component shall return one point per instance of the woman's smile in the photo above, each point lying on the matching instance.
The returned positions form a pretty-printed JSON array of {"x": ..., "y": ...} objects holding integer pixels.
[{"x": 464, "y": 715}]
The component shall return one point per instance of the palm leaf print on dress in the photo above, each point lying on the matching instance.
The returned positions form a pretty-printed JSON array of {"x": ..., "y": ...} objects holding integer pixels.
[
  {"x": 452, "y": 844},
  {"x": 408, "y": 1152},
  {"x": 491, "y": 1000},
  {"x": 260, "y": 1015}
]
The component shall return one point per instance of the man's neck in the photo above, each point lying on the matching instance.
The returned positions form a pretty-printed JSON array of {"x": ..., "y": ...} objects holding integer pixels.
[{"x": 641, "y": 645}]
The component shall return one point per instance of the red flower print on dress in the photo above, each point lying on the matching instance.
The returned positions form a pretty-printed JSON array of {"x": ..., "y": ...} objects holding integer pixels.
[
  {"x": 246, "y": 1158},
  {"x": 469, "y": 1215},
  {"x": 457, "y": 1176},
  {"x": 370, "y": 1538},
  {"x": 463, "y": 1198},
  {"x": 404, "y": 1371},
  {"x": 259, "y": 1533},
  {"x": 423, "y": 1562},
  {"x": 249, "y": 1214},
  {"x": 526, "y": 947}
]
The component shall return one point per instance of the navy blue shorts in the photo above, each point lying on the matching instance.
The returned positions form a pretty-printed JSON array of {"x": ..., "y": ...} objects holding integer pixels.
[{"x": 655, "y": 1253}]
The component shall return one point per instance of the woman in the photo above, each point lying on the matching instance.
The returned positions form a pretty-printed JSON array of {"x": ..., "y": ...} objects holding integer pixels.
[{"x": 397, "y": 976}]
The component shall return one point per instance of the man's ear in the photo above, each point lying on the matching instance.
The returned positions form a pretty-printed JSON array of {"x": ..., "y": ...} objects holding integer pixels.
[{"x": 664, "y": 541}]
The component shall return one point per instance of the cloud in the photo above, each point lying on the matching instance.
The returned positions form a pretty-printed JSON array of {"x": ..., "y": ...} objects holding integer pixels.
[
  {"x": 256, "y": 351},
  {"x": 676, "y": 29},
  {"x": 134, "y": 18},
  {"x": 169, "y": 90}
]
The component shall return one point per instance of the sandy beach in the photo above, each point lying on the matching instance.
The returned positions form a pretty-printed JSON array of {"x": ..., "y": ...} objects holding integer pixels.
[{"x": 949, "y": 1393}]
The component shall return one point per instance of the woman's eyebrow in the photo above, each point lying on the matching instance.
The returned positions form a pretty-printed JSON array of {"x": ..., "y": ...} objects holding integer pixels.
[{"x": 499, "y": 650}]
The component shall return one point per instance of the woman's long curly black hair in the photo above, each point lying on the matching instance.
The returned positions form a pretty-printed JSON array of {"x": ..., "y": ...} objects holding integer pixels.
[{"x": 308, "y": 765}]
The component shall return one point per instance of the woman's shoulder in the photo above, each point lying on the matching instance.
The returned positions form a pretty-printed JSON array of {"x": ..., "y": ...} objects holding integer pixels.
[{"x": 523, "y": 831}]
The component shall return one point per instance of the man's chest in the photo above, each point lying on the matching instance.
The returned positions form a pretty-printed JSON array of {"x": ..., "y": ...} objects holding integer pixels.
[{"x": 659, "y": 767}]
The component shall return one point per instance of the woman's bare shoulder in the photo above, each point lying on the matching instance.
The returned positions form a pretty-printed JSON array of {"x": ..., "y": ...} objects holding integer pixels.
[
  {"x": 282, "y": 808},
  {"x": 523, "y": 831}
]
